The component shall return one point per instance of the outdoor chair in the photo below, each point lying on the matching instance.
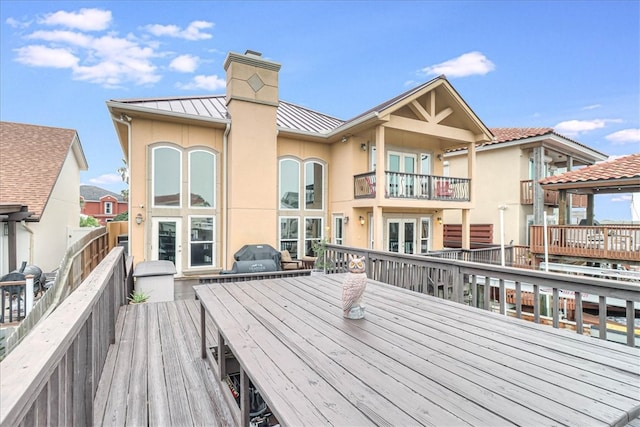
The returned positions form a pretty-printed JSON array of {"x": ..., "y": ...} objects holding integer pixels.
[{"x": 289, "y": 263}]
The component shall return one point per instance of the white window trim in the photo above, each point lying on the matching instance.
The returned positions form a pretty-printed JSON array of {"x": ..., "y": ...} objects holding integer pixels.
[
  {"x": 304, "y": 240},
  {"x": 215, "y": 196},
  {"x": 304, "y": 185},
  {"x": 153, "y": 177},
  {"x": 108, "y": 208},
  {"x": 297, "y": 239},
  {"x": 213, "y": 243}
]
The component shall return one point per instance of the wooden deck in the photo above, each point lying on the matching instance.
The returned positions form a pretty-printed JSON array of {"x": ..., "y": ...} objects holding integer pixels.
[
  {"x": 413, "y": 360},
  {"x": 154, "y": 375}
]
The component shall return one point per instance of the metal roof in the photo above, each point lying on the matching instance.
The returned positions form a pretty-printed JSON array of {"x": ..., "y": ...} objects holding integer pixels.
[{"x": 289, "y": 116}]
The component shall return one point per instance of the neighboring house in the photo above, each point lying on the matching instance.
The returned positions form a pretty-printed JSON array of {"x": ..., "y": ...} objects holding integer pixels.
[
  {"x": 209, "y": 174},
  {"x": 101, "y": 204},
  {"x": 508, "y": 171},
  {"x": 39, "y": 173}
]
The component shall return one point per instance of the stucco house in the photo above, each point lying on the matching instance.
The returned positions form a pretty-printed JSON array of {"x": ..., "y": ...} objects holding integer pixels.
[
  {"x": 509, "y": 169},
  {"x": 209, "y": 174},
  {"x": 39, "y": 193},
  {"x": 103, "y": 205}
]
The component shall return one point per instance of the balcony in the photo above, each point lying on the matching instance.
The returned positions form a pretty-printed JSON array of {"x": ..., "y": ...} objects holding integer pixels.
[
  {"x": 401, "y": 185},
  {"x": 615, "y": 243},
  {"x": 551, "y": 197}
]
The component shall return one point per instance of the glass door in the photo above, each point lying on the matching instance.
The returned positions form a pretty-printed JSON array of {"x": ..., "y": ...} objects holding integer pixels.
[
  {"x": 166, "y": 244},
  {"x": 402, "y": 169},
  {"x": 401, "y": 235}
]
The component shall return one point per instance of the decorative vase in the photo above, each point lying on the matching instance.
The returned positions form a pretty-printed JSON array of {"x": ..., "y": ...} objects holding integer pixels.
[{"x": 353, "y": 288}]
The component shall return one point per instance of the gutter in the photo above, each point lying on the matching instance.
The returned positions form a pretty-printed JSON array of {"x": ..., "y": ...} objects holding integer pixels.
[
  {"x": 225, "y": 183},
  {"x": 23, "y": 223},
  {"x": 126, "y": 120}
]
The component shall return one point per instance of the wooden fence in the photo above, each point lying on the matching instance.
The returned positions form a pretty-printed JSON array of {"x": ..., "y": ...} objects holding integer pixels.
[
  {"x": 472, "y": 283},
  {"x": 78, "y": 261},
  {"x": 52, "y": 376}
]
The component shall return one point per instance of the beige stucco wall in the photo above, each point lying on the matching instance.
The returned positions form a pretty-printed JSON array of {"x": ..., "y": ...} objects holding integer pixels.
[
  {"x": 146, "y": 134},
  {"x": 499, "y": 172}
]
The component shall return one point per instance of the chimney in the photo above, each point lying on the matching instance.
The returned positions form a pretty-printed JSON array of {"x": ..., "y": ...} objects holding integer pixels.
[{"x": 251, "y": 78}]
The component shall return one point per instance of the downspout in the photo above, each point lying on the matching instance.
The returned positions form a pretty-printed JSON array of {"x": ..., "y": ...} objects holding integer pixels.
[
  {"x": 225, "y": 183},
  {"x": 126, "y": 120},
  {"x": 23, "y": 223}
]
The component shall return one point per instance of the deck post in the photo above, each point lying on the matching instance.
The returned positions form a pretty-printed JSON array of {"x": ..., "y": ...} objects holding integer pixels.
[{"x": 203, "y": 329}]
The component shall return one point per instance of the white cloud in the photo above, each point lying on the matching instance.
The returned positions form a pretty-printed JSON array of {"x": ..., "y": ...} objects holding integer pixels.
[
  {"x": 621, "y": 198},
  {"x": 69, "y": 37},
  {"x": 43, "y": 56},
  {"x": 14, "y": 23},
  {"x": 468, "y": 64},
  {"x": 592, "y": 107},
  {"x": 109, "y": 178},
  {"x": 193, "y": 32},
  {"x": 211, "y": 83},
  {"x": 577, "y": 127},
  {"x": 185, "y": 63},
  {"x": 624, "y": 136},
  {"x": 85, "y": 19}
]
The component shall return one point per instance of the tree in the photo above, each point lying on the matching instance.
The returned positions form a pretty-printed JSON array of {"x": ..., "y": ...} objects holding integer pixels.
[
  {"x": 88, "y": 221},
  {"x": 124, "y": 216},
  {"x": 123, "y": 171}
]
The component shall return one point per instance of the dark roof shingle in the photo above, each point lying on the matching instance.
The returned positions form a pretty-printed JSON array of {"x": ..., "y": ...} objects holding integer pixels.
[{"x": 31, "y": 158}]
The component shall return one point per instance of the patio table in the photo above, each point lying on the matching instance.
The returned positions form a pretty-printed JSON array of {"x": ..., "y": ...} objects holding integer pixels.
[{"x": 413, "y": 360}]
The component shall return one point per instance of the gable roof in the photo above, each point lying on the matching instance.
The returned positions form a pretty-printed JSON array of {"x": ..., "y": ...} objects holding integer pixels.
[
  {"x": 92, "y": 193},
  {"x": 612, "y": 176},
  {"x": 31, "y": 159}
]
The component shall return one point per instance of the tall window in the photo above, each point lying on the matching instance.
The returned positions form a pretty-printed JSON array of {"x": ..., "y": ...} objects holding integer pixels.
[
  {"x": 338, "y": 229},
  {"x": 167, "y": 170},
  {"x": 425, "y": 233},
  {"x": 313, "y": 184},
  {"x": 301, "y": 189},
  {"x": 108, "y": 208},
  {"x": 289, "y": 184},
  {"x": 202, "y": 172}
]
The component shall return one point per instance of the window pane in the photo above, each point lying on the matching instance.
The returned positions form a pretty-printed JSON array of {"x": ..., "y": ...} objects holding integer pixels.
[
  {"x": 201, "y": 241},
  {"x": 313, "y": 233},
  {"x": 313, "y": 185},
  {"x": 166, "y": 177},
  {"x": 289, "y": 236},
  {"x": 289, "y": 184},
  {"x": 202, "y": 178}
]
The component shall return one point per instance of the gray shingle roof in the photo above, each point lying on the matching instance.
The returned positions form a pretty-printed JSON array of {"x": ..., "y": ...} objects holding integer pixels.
[{"x": 94, "y": 194}]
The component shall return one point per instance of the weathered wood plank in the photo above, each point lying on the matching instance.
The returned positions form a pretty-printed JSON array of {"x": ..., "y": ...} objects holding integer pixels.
[
  {"x": 179, "y": 411},
  {"x": 137, "y": 388},
  {"x": 157, "y": 389}
]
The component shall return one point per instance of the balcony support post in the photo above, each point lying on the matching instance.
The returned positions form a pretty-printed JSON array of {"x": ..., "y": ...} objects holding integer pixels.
[
  {"x": 538, "y": 192},
  {"x": 562, "y": 208}
]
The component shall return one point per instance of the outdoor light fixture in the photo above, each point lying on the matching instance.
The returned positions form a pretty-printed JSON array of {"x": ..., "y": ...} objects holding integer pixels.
[
  {"x": 361, "y": 220},
  {"x": 439, "y": 156},
  {"x": 363, "y": 146},
  {"x": 139, "y": 219},
  {"x": 345, "y": 138},
  {"x": 440, "y": 220},
  {"x": 346, "y": 220}
]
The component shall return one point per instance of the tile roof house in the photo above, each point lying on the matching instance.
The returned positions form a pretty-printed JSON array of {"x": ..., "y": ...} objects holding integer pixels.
[
  {"x": 209, "y": 174},
  {"x": 509, "y": 168},
  {"x": 103, "y": 205},
  {"x": 39, "y": 171}
]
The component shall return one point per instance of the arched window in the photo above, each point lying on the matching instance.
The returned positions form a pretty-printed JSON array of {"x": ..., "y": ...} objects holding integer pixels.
[
  {"x": 167, "y": 170},
  {"x": 202, "y": 182},
  {"x": 289, "y": 184},
  {"x": 314, "y": 185}
]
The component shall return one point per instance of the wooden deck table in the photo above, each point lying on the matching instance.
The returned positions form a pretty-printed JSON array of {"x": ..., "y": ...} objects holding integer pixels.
[{"x": 413, "y": 360}]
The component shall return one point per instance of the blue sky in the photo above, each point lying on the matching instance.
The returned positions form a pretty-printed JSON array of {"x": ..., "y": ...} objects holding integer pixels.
[{"x": 570, "y": 65}]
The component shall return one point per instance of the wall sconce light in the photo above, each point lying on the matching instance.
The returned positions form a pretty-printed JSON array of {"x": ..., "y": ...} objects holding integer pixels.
[
  {"x": 139, "y": 219},
  {"x": 361, "y": 220},
  {"x": 439, "y": 156},
  {"x": 439, "y": 220},
  {"x": 344, "y": 139},
  {"x": 363, "y": 146},
  {"x": 346, "y": 220}
]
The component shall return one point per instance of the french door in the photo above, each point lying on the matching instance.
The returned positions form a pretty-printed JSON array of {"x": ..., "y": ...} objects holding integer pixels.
[
  {"x": 401, "y": 235},
  {"x": 401, "y": 181},
  {"x": 166, "y": 242}
]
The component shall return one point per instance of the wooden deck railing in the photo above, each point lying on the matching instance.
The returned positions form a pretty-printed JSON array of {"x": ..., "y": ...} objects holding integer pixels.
[
  {"x": 77, "y": 263},
  {"x": 401, "y": 185},
  {"x": 551, "y": 197},
  {"x": 611, "y": 242},
  {"x": 51, "y": 377},
  {"x": 472, "y": 283},
  {"x": 515, "y": 255}
]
